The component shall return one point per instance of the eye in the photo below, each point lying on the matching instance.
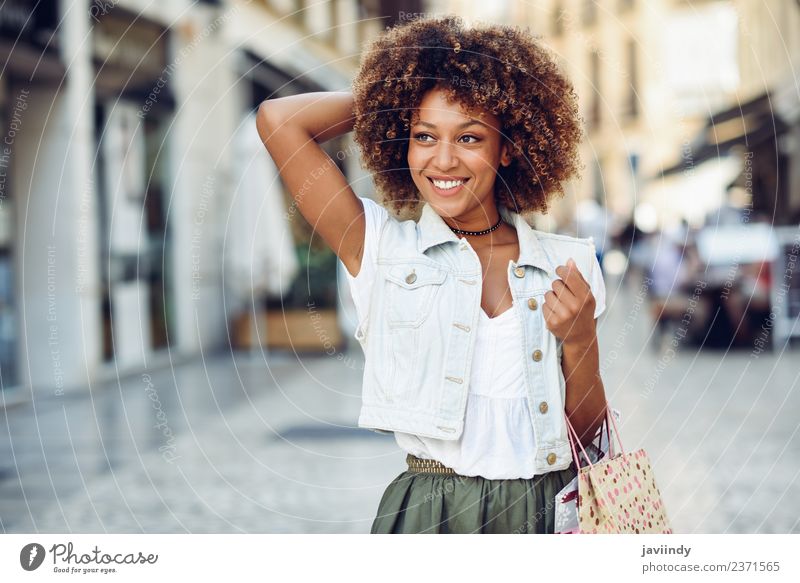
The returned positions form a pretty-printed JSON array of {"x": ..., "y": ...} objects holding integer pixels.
[
  {"x": 421, "y": 135},
  {"x": 476, "y": 138}
]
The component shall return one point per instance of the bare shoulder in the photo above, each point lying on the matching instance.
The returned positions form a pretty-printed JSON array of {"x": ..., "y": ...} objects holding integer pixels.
[{"x": 371, "y": 218}]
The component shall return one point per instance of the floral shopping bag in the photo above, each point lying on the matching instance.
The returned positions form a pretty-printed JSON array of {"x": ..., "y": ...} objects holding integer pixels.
[{"x": 616, "y": 493}]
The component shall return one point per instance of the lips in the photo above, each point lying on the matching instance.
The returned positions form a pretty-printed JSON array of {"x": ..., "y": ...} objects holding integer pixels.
[{"x": 447, "y": 186}]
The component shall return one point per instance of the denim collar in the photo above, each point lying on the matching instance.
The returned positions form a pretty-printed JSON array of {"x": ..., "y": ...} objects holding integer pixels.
[{"x": 432, "y": 230}]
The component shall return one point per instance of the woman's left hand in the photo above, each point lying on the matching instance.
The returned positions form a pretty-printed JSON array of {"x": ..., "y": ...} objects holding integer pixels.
[{"x": 568, "y": 308}]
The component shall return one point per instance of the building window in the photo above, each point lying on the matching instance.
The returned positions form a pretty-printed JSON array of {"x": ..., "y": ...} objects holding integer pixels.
[
  {"x": 559, "y": 16},
  {"x": 632, "y": 98},
  {"x": 598, "y": 186},
  {"x": 633, "y": 163},
  {"x": 333, "y": 21},
  {"x": 589, "y": 16},
  {"x": 633, "y": 167},
  {"x": 594, "y": 75},
  {"x": 299, "y": 11}
]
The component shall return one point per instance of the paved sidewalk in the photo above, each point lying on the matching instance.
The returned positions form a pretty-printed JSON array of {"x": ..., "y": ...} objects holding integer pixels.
[{"x": 285, "y": 458}]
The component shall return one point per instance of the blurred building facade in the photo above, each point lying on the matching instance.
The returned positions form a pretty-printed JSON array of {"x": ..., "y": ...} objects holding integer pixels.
[
  {"x": 760, "y": 123},
  {"x": 119, "y": 174}
]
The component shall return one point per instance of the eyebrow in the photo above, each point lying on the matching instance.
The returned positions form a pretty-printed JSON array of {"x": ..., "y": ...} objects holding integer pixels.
[{"x": 460, "y": 126}]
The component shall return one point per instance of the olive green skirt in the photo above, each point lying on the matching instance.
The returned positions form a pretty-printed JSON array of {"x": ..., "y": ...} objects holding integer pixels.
[{"x": 436, "y": 503}]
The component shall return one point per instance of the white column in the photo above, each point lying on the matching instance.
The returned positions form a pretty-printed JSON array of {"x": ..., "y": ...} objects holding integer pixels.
[
  {"x": 209, "y": 107},
  {"x": 57, "y": 275}
]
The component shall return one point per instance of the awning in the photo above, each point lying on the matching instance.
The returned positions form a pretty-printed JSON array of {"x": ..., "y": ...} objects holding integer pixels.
[
  {"x": 31, "y": 63},
  {"x": 693, "y": 194},
  {"x": 130, "y": 55},
  {"x": 29, "y": 41},
  {"x": 745, "y": 124}
]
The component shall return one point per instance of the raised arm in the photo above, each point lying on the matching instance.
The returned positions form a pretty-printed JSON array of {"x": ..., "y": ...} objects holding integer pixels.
[{"x": 292, "y": 129}]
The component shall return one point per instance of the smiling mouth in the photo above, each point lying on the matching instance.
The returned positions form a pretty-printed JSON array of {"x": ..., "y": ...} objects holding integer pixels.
[{"x": 447, "y": 186}]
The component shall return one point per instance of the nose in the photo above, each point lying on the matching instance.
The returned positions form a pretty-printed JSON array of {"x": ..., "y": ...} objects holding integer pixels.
[{"x": 445, "y": 157}]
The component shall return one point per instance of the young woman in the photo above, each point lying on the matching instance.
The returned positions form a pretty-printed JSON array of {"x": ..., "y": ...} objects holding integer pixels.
[{"x": 478, "y": 331}]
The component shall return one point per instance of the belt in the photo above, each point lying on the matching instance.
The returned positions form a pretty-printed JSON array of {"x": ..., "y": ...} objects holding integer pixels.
[{"x": 416, "y": 464}]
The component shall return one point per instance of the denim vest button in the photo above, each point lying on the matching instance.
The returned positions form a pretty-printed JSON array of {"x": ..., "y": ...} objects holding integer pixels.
[
  {"x": 543, "y": 407},
  {"x": 533, "y": 304},
  {"x": 551, "y": 458},
  {"x": 411, "y": 278},
  {"x": 519, "y": 271},
  {"x": 537, "y": 355}
]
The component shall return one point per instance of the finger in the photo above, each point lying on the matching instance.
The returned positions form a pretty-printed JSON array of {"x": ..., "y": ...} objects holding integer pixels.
[
  {"x": 556, "y": 306},
  {"x": 551, "y": 317},
  {"x": 572, "y": 277},
  {"x": 576, "y": 275},
  {"x": 565, "y": 295},
  {"x": 547, "y": 311}
]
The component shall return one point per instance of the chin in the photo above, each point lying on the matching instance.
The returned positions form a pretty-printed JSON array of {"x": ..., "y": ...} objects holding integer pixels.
[{"x": 449, "y": 207}]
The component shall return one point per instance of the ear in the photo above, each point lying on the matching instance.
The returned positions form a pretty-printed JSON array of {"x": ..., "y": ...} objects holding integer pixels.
[{"x": 505, "y": 157}]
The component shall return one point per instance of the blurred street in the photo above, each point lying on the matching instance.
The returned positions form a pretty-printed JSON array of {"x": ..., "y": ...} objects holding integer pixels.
[{"x": 274, "y": 449}]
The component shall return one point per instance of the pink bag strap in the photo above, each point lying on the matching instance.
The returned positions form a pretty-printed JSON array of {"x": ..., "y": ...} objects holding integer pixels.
[
  {"x": 573, "y": 435},
  {"x": 610, "y": 415},
  {"x": 573, "y": 439}
]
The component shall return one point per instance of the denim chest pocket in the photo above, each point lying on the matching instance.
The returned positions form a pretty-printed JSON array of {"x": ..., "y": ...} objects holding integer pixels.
[{"x": 410, "y": 292}]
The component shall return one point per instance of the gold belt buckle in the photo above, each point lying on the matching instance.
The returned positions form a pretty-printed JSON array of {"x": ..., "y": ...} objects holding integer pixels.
[{"x": 416, "y": 464}]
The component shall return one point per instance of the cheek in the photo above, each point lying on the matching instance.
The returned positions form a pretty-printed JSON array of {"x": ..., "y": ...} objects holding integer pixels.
[
  {"x": 481, "y": 163},
  {"x": 415, "y": 157}
]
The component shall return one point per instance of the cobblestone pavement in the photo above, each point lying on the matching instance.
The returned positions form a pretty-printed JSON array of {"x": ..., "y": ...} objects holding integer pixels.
[
  {"x": 244, "y": 444},
  {"x": 281, "y": 456}
]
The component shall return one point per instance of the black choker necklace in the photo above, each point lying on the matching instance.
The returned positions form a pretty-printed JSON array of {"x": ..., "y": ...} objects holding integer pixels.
[{"x": 489, "y": 230}]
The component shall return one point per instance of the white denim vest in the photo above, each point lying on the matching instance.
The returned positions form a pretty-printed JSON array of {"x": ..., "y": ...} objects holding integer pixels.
[{"x": 419, "y": 336}]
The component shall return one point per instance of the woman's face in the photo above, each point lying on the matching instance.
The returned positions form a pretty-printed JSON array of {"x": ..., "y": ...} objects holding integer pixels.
[{"x": 453, "y": 155}]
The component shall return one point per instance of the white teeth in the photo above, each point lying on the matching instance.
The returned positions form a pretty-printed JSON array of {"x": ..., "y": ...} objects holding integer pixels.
[{"x": 446, "y": 184}]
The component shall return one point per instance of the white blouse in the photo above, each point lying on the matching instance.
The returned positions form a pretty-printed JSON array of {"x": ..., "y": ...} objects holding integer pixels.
[{"x": 498, "y": 440}]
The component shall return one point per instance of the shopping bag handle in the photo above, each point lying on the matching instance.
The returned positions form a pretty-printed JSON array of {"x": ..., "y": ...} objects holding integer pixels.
[{"x": 573, "y": 437}]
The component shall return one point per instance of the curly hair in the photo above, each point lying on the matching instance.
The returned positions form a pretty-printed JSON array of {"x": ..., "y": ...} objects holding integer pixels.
[{"x": 496, "y": 68}]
